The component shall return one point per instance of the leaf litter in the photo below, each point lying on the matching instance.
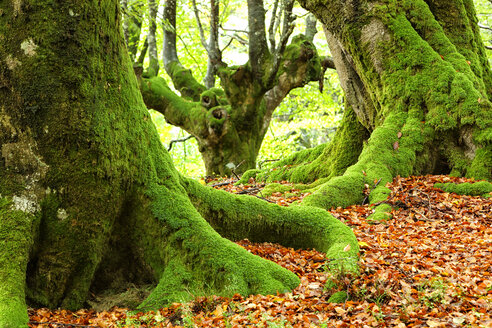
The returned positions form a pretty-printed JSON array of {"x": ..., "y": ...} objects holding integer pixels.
[{"x": 428, "y": 266}]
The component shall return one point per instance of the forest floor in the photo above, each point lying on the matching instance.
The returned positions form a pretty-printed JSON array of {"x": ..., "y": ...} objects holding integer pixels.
[{"x": 429, "y": 266}]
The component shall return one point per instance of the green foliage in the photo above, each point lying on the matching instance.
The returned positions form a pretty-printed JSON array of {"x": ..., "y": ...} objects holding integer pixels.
[{"x": 305, "y": 119}]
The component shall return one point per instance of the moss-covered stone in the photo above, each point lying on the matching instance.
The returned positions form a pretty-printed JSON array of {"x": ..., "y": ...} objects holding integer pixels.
[{"x": 381, "y": 213}]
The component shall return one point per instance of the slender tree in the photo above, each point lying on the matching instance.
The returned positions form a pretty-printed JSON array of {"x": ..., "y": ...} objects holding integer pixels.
[{"x": 90, "y": 200}]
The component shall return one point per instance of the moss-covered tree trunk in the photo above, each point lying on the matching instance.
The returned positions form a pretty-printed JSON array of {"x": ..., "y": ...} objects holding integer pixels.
[
  {"x": 417, "y": 78},
  {"x": 90, "y": 200}
]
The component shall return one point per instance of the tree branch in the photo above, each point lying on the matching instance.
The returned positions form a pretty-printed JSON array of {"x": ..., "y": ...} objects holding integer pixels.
[
  {"x": 178, "y": 140},
  {"x": 182, "y": 78},
  {"x": 310, "y": 27},
  {"x": 177, "y": 111},
  {"x": 273, "y": 25},
  {"x": 214, "y": 56},
  {"x": 258, "y": 48},
  {"x": 169, "y": 53},
  {"x": 143, "y": 53},
  {"x": 287, "y": 29},
  {"x": 297, "y": 72},
  {"x": 153, "y": 69},
  {"x": 199, "y": 24}
]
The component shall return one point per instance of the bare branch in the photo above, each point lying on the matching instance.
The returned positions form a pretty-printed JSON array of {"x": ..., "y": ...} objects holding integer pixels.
[
  {"x": 199, "y": 24},
  {"x": 488, "y": 47},
  {"x": 198, "y": 64},
  {"x": 310, "y": 27},
  {"x": 258, "y": 46},
  {"x": 178, "y": 140},
  {"x": 228, "y": 44},
  {"x": 287, "y": 29},
  {"x": 153, "y": 59},
  {"x": 273, "y": 23},
  {"x": 233, "y": 30},
  {"x": 214, "y": 55},
  {"x": 289, "y": 19}
]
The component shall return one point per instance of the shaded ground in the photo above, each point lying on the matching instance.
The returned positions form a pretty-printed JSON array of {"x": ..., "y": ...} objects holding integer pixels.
[{"x": 429, "y": 266}]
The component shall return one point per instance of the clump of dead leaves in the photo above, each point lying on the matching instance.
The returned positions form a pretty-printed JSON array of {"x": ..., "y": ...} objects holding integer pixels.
[{"x": 429, "y": 266}]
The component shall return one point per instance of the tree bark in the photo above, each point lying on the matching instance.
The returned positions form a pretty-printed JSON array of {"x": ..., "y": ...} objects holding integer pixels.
[{"x": 89, "y": 197}]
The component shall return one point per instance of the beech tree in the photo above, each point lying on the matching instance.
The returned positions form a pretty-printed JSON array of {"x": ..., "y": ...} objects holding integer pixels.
[
  {"x": 417, "y": 84},
  {"x": 230, "y": 122},
  {"x": 89, "y": 198}
]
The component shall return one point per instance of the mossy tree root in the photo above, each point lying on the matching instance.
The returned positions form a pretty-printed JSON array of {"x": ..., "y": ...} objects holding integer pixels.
[
  {"x": 299, "y": 227},
  {"x": 390, "y": 151},
  {"x": 481, "y": 188},
  {"x": 15, "y": 243},
  {"x": 193, "y": 259}
]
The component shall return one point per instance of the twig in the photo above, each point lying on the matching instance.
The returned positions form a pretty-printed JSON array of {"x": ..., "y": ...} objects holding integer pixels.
[
  {"x": 200, "y": 27},
  {"x": 233, "y": 30},
  {"x": 220, "y": 184},
  {"x": 227, "y": 45},
  {"x": 189, "y": 53},
  {"x": 178, "y": 140},
  {"x": 248, "y": 191},
  {"x": 270, "y": 201}
]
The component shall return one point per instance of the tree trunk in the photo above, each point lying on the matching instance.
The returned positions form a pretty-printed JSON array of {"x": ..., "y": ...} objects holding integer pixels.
[
  {"x": 417, "y": 77},
  {"x": 90, "y": 200},
  {"x": 230, "y": 123}
]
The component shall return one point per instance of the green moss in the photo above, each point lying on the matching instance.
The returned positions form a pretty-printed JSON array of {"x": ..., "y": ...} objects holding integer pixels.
[
  {"x": 248, "y": 175},
  {"x": 242, "y": 217},
  {"x": 323, "y": 161},
  {"x": 338, "y": 297},
  {"x": 184, "y": 81},
  {"x": 275, "y": 187},
  {"x": 303, "y": 49},
  {"x": 481, "y": 167},
  {"x": 381, "y": 213},
  {"x": 481, "y": 188},
  {"x": 16, "y": 240}
]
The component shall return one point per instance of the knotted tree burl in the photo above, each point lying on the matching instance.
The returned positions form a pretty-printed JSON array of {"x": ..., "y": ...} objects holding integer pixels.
[{"x": 90, "y": 199}]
